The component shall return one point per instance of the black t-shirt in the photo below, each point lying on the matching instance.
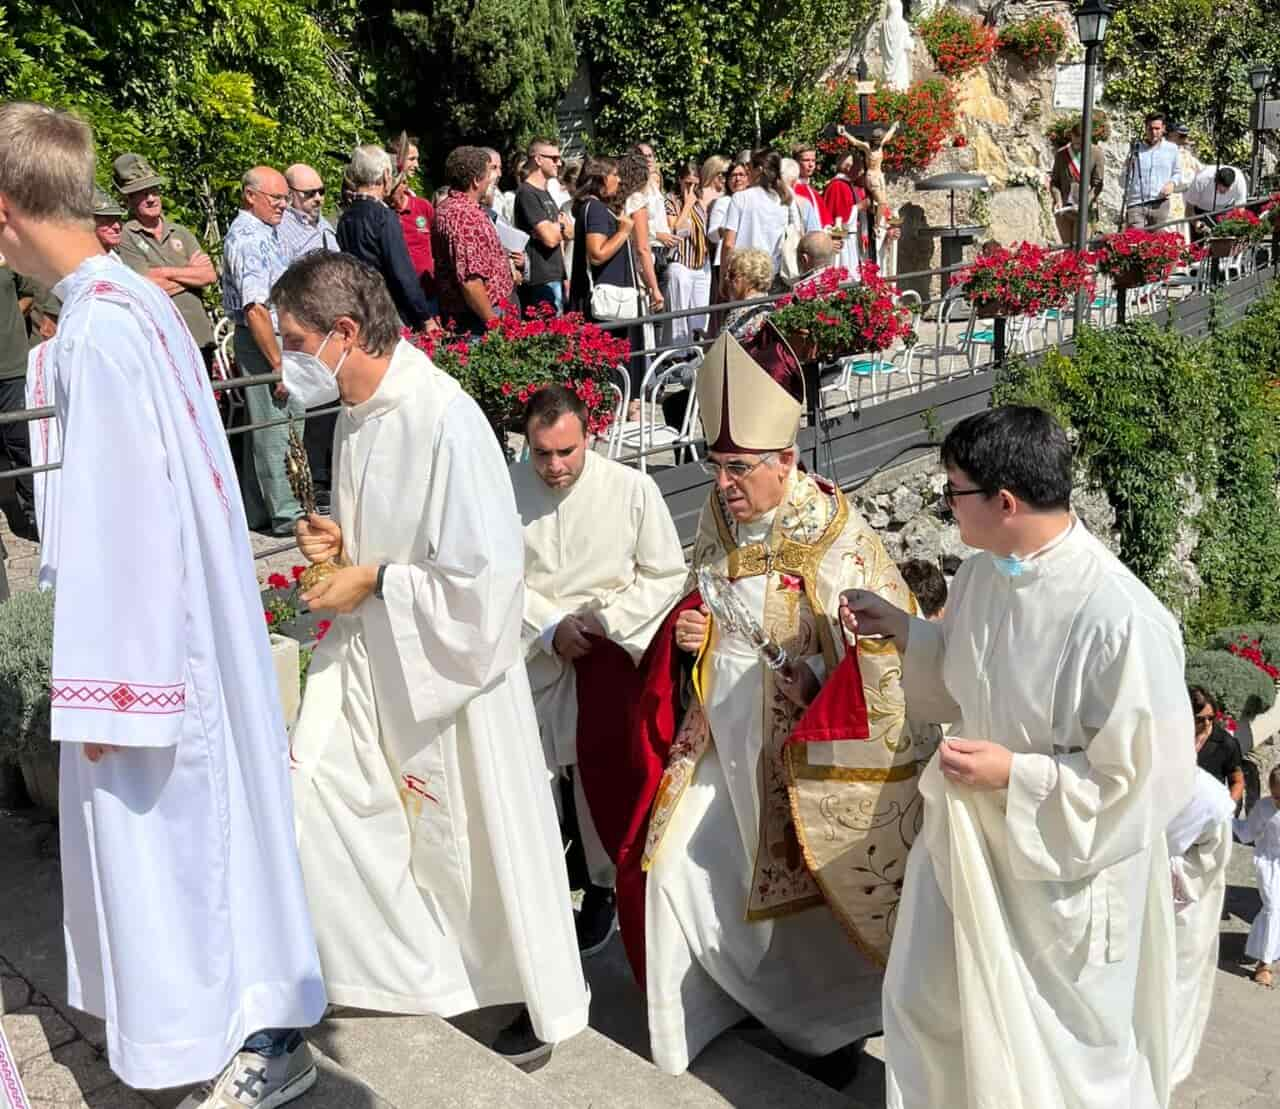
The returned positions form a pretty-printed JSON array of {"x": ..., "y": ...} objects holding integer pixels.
[
  {"x": 1220, "y": 755},
  {"x": 535, "y": 206}
]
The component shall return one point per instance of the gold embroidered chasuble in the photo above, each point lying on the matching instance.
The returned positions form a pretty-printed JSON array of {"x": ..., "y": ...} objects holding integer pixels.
[{"x": 836, "y": 818}]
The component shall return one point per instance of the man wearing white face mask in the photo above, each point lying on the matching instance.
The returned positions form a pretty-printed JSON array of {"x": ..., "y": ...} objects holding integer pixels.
[
  {"x": 426, "y": 830},
  {"x": 1033, "y": 963}
]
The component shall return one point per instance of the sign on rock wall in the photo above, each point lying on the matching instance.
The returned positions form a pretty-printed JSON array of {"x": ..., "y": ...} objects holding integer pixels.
[{"x": 1068, "y": 87}]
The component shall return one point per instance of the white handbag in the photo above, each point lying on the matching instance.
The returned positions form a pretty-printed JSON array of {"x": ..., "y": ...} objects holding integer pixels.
[
  {"x": 614, "y": 302},
  {"x": 789, "y": 265}
]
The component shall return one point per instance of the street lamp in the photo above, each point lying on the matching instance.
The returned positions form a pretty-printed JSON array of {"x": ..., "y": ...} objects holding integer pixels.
[
  {"x": 1259, "y": 78},
  {"x": 1091, "y": 27}
]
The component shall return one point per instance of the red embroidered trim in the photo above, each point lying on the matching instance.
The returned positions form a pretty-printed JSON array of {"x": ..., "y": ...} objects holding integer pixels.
[
  {"x": 111, "y": 287},
  {"x": 38, "y": 397},
  {"x": 137, "y": 698},
  {"x": 417, "y": 785}
]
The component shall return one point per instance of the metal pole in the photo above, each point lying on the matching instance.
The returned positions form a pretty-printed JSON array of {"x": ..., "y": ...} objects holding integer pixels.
[
  {"x": 1255, "y": 159},
  {"x": 1086, "y": 190}
]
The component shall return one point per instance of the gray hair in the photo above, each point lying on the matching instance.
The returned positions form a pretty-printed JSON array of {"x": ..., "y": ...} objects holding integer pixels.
[
  {"x": 370, "y": 165},
  {"x": 323, "y": 286},
  {"x": 790, "y": 171},
  {"x": 47, "y": 162}
]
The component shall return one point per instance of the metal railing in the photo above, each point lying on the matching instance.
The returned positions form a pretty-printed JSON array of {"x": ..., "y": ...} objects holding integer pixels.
[{"x": 653, "y": 320}]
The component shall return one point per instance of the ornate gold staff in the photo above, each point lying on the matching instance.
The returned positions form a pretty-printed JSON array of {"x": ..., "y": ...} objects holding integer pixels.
[{"x": 298, "y": 471}]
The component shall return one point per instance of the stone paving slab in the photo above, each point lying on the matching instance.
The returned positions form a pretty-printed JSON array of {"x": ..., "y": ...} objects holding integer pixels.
[{"x": 370, "y": 1062}]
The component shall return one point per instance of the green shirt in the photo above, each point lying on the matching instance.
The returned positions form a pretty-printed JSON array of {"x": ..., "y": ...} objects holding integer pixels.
[
  {"x": 44, "y": 305},
  {"x": 141, "y": 251},
  {"x": 13, "y": 328}
]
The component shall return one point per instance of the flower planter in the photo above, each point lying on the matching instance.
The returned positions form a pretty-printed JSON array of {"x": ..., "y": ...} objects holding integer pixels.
[
  {"x": 1129, "y": 279},
  {"x": 40, "y": 776},
  {"x": 1224, "y": 247}
]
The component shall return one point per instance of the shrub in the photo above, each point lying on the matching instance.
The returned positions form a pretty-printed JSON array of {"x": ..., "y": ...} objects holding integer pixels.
[
  {"x": 1239, "y": 687},
  {"x": 957, "y": 42},
  {"x": 1267, "y": 636},
  {"x": 1039, "y": 38},
  {"x": 1059, "y": 131},
  {"x": 925, "y": 114},
  {"x": 26, "y": 654}
]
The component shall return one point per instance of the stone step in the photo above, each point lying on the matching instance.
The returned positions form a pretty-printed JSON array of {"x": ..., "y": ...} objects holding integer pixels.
[{"x": 409, "y": 1062}]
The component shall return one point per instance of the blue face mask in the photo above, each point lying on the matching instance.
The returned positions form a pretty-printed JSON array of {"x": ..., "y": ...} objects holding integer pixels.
[{"x": 1011, "y": 566}]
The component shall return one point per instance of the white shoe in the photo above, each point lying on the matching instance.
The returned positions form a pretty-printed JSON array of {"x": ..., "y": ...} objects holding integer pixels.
[{"x": 253, "y": 1081}]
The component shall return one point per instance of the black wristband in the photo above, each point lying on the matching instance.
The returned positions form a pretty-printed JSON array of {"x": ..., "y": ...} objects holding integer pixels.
[{"x": 377, "y": 588}]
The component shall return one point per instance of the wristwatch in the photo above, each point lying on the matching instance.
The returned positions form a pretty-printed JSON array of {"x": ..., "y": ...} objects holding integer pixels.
[{"x": 377, "y": 588}]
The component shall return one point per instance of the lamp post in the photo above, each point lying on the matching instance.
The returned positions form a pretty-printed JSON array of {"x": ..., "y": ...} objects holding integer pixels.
[
  {"x": 1259, "y": 78},
  {"x": 1091, "y": 26}
]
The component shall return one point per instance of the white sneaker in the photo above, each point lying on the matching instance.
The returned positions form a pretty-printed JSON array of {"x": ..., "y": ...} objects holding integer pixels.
[{"x": 253, "y": 1081}]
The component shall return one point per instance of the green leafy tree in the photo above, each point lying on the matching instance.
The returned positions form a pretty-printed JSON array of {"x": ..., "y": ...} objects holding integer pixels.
[
  {"x": 1192, "y": 58},
  {"x": 204, "y": 90},
  {"x": 474, "y": 71},
  {"x": 695, "y": 76}
]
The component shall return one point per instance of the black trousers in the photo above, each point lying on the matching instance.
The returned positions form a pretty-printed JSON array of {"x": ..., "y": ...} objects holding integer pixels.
[{"x": 15, "y": 440}]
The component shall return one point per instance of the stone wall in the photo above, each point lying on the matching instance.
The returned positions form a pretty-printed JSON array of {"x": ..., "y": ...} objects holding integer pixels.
[{"x": 905, "y": 507}]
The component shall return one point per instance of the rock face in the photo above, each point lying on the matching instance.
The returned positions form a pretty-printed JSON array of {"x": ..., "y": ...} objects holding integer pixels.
[{"x": 905, "y": 507}]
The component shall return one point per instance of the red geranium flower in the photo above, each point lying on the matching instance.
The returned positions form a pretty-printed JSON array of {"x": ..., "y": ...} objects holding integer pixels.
[
  {"x": 298, "y": 571},
  {"x": 278, "y": 581}
]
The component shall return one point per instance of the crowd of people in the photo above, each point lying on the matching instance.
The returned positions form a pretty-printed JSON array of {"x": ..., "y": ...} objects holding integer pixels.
[
  {"x": 604, "y": 237},
  {"x": 808, "y": 787}
]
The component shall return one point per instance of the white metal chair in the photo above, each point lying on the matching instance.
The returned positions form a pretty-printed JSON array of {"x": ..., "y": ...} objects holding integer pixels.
[
  {"x": 223, "y": 331},
  {"x": 943, "y": 347},
  {"x": 651, "y": 432},
  {"x": 619, "y": 386}
]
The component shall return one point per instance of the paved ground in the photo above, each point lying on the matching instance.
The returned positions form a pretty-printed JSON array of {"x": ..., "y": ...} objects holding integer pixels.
[{"x": 372, "y": 1063}]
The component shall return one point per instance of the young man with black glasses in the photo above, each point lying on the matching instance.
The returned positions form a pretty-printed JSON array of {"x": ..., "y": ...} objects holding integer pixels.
[
  {"x": 538, "y": 215},
  {"x": 1034, "y": 958}
]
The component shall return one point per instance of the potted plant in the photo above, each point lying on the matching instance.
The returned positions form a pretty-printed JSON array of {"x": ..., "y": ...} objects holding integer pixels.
[
  {"x": 1038, "y": 38},
  {"x": 1233, "y": 231},
  {"x": 1138, "y": 257},
  {"x": 1026, "y": 278},
  {"x": 26, "y": 654},
  {"x": 926, "y": 115},
  {"x": 517, "y": 356},
  {"x": 957, "y": 42},
  {"x": 1059, "y": 131},
  {"x": 826, "y": 318}
]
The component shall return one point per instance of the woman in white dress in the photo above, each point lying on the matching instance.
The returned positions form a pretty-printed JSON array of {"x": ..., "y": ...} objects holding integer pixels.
[
  {"x": 1262, "y": 829},
  {"x": 737, "y": 178}
]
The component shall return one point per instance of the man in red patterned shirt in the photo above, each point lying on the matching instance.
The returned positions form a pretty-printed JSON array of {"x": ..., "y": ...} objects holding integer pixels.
[{"x": 473, "y": 274}]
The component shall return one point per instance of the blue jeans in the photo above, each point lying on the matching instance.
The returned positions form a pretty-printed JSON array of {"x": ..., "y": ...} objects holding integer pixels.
[
  {"x": 273, "y": 1042},
  {"x": 551, "y": 293}
]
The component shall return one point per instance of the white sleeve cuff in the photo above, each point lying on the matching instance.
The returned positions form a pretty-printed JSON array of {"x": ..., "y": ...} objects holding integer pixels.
[{"x": 548, "y": 633}]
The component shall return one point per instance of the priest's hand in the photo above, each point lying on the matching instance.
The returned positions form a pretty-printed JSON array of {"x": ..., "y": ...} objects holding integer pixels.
[
  {"x": 977, "y": 763},
  {"x": 798, "y": 684},
  {"x": 319, "y": 539},
  {"x": 570, "y": 640},
  {"x": 590, "y": 624},
  {"x": 691, "y": 629},
  {"x": 865, "y": 613},
  {"x": 344, "y": 590}
]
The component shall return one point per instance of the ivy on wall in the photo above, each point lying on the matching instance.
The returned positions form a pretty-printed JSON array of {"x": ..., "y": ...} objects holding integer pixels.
[{"x": 1166, "y": 425}]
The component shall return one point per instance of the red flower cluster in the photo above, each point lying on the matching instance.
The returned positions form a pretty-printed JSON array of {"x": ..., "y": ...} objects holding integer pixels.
[
  {"x": 925, "y": 114},
  {"x": 1144, "y": 256},
  {"x": 1037, "y": 38},
  {"x": 1026, "y": 279},
  {"x": 956, "y": 42},
  {"x": 517, "y": 356},
  {"x": 959, "y": 140},
  {"x": 838, "y": 319},
  {"x": 1240, "y": 223},
  {"x": 1251, "y": 651}
]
